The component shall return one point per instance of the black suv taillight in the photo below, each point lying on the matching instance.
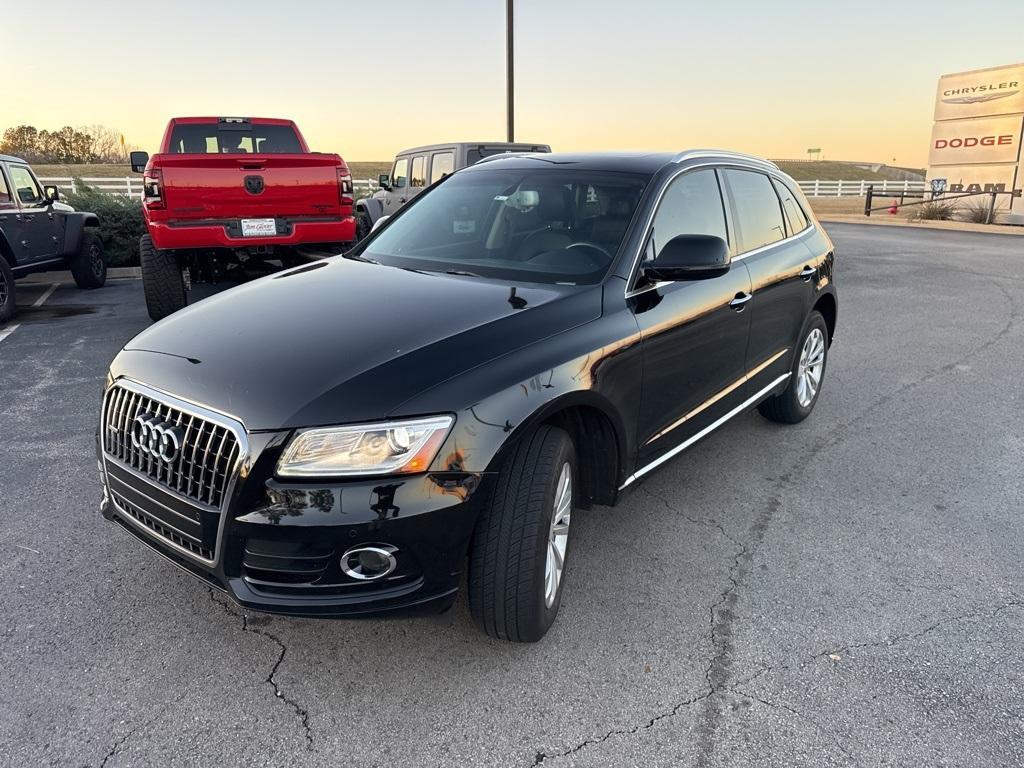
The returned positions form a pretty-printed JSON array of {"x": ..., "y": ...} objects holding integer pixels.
[
  {"x": 152, "y": 188},
  {"x": 345, "y": 187}
]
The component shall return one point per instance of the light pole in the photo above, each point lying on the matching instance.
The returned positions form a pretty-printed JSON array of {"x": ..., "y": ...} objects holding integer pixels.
[{"x": 510, "y": 107}]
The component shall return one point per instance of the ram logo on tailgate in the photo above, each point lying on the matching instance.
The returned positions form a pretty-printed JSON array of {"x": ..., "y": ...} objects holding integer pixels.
[{"x": 253, "y": 184}]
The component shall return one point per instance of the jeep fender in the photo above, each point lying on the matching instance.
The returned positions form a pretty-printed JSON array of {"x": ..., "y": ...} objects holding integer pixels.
[
  {"x": 373, "y": 207},
  {"x": 7, "y": 252},
  {"x": 75, "y": 224}
]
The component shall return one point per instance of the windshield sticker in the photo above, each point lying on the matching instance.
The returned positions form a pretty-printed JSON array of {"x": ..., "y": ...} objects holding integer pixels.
[{"x": 464, "y": 226}]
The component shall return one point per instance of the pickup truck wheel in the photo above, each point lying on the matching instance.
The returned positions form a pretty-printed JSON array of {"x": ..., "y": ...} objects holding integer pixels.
[
  {"x": 797, "y": 400},
  {"x": 162, "y": 280},
  {"x": 6, "y": 291},
  {"x": 88, "y": 266},
  {"x": 518, "y": 556}
]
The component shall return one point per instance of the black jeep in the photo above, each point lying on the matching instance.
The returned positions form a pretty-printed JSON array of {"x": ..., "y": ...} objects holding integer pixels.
[{"x": 39, "y": 233}]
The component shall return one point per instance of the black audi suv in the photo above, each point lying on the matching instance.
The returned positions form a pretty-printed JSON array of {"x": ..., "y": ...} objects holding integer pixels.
[{"x": 530, "y": 336}]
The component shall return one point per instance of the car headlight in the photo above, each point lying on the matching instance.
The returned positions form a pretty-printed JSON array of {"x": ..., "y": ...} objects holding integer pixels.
[{"x": 388, "y": 448}]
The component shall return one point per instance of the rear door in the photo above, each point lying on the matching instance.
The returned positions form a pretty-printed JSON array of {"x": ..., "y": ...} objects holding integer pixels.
[
  {"x": 41, "y": 230},
  {"x": 694, "y": 331},
  {"x": 441, "y": 164},
  {"x": 781, "y": 270}
]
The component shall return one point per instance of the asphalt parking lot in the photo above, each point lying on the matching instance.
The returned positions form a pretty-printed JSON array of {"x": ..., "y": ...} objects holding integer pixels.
[{"x": 848, "y": 591}]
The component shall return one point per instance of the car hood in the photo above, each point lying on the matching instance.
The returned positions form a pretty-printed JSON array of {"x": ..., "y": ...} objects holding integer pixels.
[{"x": 342, "y": 341}]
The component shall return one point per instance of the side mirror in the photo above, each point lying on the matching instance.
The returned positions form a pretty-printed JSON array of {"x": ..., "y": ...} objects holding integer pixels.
[
  {"x": 384, "y": 182},
  {"x": 138, "y": 161},
  {"x": 51, "y": 193},
  {"x": 379, "y": 223},
  {"x": 690, "y": 257}
]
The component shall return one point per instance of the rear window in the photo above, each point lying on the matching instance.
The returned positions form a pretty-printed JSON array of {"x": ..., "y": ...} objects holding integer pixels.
[
  {"x": 757, "y": 208},
  {"x": 233, "y": 139}
]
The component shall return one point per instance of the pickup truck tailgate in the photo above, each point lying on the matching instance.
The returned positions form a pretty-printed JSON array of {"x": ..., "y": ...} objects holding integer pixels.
[{"x": 202, "y": 186}]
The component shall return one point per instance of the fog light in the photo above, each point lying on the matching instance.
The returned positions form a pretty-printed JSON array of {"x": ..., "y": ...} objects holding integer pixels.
[{"x": 367, "y": 563}]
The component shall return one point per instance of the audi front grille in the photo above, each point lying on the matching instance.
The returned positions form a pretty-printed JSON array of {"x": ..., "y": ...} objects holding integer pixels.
[{"x": 181, "y": 461}]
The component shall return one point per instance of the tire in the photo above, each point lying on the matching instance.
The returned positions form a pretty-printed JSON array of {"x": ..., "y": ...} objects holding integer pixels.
[
  {"x": 796, "y": 401},
  {"x": 162, "y": 280},
  {"x": 363, "y": 225},
  {"x": 88, "y": 265},
  {"x": 7, "y": 291},
  {"x": 510, "y": 596}
]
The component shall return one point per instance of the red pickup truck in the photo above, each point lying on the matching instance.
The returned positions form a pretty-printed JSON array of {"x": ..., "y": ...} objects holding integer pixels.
[{"x": 230, "y": 197}]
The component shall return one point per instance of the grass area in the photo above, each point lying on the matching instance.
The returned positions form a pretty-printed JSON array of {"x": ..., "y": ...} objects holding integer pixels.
[
  {"x": 822, "y": 206},
  {"x": 826, "y": 170},
  {"x": 367, "y": 170}
]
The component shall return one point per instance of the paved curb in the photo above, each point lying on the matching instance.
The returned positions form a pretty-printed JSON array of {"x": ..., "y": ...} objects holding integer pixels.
[{"x": 948, "y": 226}]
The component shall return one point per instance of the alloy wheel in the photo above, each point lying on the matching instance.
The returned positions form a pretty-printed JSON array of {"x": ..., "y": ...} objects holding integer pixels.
[
  {"x": 4, "y": 290},
  {"x": 558, "y": 536},
  {"x": 810, "y": 368},
  {"x": 96, "y": 260}
]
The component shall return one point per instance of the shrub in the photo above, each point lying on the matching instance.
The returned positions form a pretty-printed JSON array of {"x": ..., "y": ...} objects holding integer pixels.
[
  {"x": 935, "y": 210},
  {"x": 976, "y": 211},
  {"x": 121, "y": 223}
]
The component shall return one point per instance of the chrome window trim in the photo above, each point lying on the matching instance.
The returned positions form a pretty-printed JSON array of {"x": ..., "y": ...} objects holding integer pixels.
[
  {"x": 193, "y": 409},
  {"x": 631, "y": 279},
  {"x": 708, "y": 429}
]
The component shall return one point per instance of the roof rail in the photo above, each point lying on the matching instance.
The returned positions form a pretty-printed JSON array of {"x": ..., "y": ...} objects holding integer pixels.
[
  {"x": 690, "y": 154},
  {"x": 501, "y": 155}
]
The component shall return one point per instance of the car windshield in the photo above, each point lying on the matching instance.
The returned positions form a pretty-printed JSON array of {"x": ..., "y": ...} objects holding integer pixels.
[{"x": 545, "y": 225}]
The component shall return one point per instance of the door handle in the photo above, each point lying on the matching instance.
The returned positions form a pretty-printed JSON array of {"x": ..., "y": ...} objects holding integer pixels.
[
  {"x": 740, "y": 301},
  {"x": 807, "y": 273}
]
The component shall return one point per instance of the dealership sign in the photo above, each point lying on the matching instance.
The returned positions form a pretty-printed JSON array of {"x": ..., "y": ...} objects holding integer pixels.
[{"x": 976, "y": 139}]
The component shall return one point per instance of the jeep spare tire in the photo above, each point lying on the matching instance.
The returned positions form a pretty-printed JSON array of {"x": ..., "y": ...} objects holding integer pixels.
[{"x": 162, "y": 280}]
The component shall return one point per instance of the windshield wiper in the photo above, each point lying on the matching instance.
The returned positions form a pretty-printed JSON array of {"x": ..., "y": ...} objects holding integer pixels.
[{"x": 461, "y": 272}]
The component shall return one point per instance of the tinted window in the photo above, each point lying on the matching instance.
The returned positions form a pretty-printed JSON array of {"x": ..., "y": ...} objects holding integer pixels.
[
  {"x": 441, "y": 165},
  {"x": 400, "y": 175},
  {"x": 759, "y": 216},
  {"x": 25, "y": 187},
  {"x": 419, "y": 172},
  {"x": 692, "y": 205},
  {"x": 545, "y": 225},
  {"x": 796, "y": 219},
  {"x": 233, "y": 139},
  {"x": 6, "y": 201}
]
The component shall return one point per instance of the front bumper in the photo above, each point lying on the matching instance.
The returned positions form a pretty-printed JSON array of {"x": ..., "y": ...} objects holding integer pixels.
[
  {"x": 190, "y": 235},
  {"x": 278, "y": 547}
]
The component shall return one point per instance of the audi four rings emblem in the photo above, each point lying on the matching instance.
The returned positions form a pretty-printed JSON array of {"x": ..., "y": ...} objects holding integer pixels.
[{"x": 156, "y": 438}]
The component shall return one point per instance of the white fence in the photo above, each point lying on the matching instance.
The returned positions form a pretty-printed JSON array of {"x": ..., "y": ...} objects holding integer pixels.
[
  {"x": 842, "y": 188},
  {"x": 132, "y": 185}
]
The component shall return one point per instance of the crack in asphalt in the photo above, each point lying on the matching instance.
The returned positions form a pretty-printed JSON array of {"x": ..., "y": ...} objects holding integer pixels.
[
  {"x": 121, "y": 741},
  {"x": 540, "y": 757},
  {"x": 270, "y": 679}
]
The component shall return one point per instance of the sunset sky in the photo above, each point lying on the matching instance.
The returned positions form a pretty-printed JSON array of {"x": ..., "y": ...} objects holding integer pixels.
[{"x": 368, "y": 78}]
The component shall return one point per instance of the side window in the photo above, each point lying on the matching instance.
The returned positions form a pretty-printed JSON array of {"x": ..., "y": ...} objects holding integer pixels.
[
  {"x": 6, "y": 201},
  {"x": 25, "y": 186},
  {"x": 758, "y": 212},
  {"x": 796, "y": 219},
  {"x": 692, "y": 205},
  {"x": 441, "y": 164},
  {"x": 400, "y": 174},
  {"x": 419, "y": 172}
]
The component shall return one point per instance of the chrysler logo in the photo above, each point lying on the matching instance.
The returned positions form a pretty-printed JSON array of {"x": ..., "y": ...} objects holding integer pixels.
[
  {"x": 977, "y": 98},
  {"x": 156, "y": 438}
]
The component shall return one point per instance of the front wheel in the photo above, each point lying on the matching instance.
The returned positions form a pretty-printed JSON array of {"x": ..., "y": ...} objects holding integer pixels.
[
  {"x": 162, "y": 280},
  {"x": 796, "y": 401},
  {"x": 88, "y": 266},
  {"x": 520, "y": 545}
]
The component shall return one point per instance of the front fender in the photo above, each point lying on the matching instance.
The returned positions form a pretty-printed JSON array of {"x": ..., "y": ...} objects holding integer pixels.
[
  {"x": 74, "y": 225},
  {"x": 372, "y": 206}
]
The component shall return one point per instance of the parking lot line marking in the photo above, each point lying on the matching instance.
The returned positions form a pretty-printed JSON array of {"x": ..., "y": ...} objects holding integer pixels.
[
  {"x": 48, "y": 293},
  {"x": 8, "y": 331}
]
